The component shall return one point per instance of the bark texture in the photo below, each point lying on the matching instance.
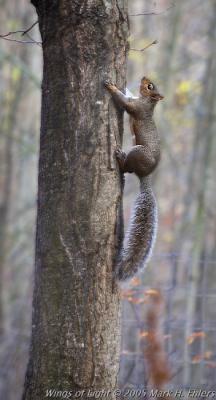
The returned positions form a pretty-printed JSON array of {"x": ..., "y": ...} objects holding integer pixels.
[{"x": 76, "y": 332}]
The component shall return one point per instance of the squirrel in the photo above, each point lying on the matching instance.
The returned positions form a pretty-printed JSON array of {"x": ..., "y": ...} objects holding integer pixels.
[{"x": 142, "y": 160}]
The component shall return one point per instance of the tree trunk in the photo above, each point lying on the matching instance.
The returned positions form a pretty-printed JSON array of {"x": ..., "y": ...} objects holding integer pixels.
[
  {"x": 75, "y": 335},
  {"x": 198, "y": 180},
  {"x": 9, "y": 121}
]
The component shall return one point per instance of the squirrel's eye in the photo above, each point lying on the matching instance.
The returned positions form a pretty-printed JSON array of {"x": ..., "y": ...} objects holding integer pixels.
[{"x": 150, "y": 86}]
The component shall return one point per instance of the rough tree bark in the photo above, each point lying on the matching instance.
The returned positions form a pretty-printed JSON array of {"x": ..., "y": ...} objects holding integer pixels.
[{"x": 75, "y": 335}]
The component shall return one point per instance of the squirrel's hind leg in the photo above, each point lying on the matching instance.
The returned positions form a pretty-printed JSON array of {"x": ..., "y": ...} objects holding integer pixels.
[{"x": 140, "y": 161}]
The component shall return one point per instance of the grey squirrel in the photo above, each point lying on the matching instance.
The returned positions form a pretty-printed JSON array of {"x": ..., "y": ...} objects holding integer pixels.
[{"x": 142, "y": 160}]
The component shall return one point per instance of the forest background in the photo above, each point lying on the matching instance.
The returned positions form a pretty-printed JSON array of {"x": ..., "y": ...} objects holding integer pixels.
[{"x": 183, "y": 64}]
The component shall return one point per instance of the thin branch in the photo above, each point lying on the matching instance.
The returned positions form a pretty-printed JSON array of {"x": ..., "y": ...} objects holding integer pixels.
[
  {"x": 33, "y": 40},
  {"x": 152, "y": 12},
  {"x": 22, "y": 32},
  {"x": 146, "y": 47},
  {"x": 11, "y": 33},
  {"x": 21, "y": 41},
  {"x": 30, "y": 28}
]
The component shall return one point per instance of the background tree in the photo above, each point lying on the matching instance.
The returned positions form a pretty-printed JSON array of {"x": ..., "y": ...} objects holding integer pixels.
[{"x": 20, "y": 84}]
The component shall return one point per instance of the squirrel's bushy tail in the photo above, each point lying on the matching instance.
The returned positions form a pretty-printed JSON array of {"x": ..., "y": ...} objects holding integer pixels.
[{"x": 141, "y": 235}]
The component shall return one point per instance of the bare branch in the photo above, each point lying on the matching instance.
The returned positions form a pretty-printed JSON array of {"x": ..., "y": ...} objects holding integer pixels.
[
  {"x": 22, "y": 32},
  {"x": 33, "y": 40},
  {"x": 30, "y": 28},
  {"x": 10, "y": 33},
  {"x": 21, "y": 41},
  {"x": 146, "y": 47},
  {"x": 152, "y": 12}
]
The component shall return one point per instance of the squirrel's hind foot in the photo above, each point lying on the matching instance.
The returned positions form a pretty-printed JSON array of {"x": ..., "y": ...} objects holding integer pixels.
[{"x": 120, "y": 156}]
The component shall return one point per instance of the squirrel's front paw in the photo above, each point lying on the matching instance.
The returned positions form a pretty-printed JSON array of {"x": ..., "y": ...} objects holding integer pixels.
[{"x": 109, "y": 84}]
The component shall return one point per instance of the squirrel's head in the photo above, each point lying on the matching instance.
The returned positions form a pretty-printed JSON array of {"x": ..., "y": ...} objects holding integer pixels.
[{"x": 148, "y": 89}]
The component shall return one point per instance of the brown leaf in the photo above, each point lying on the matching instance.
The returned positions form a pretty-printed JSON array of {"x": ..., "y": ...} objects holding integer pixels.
[
  {"x": 194, "y": 336},
  {"x": 196, "y": 359},
  {"x": 143, "y": 334},
  {"x": 135, "y": 282}
]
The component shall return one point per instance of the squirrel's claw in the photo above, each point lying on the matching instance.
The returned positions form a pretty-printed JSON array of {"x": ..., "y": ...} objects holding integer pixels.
[
  {"x": 108, "y": 83},
  {"x": 120, "y": 156},
  {"x": 119, "y": 153}
]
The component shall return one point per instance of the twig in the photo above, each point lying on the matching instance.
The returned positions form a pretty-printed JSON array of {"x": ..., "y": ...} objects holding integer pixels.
[
  {"x": 11, "y": 33},
  {"x": 152, "y": 12},
  {"x": 30, "y": 28},
  {"x": 146, "y": 47},
  {"x": 22, "y": 32},
  {"x": 33, "y": 40},
  {"x": 21, "y": 41}
]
